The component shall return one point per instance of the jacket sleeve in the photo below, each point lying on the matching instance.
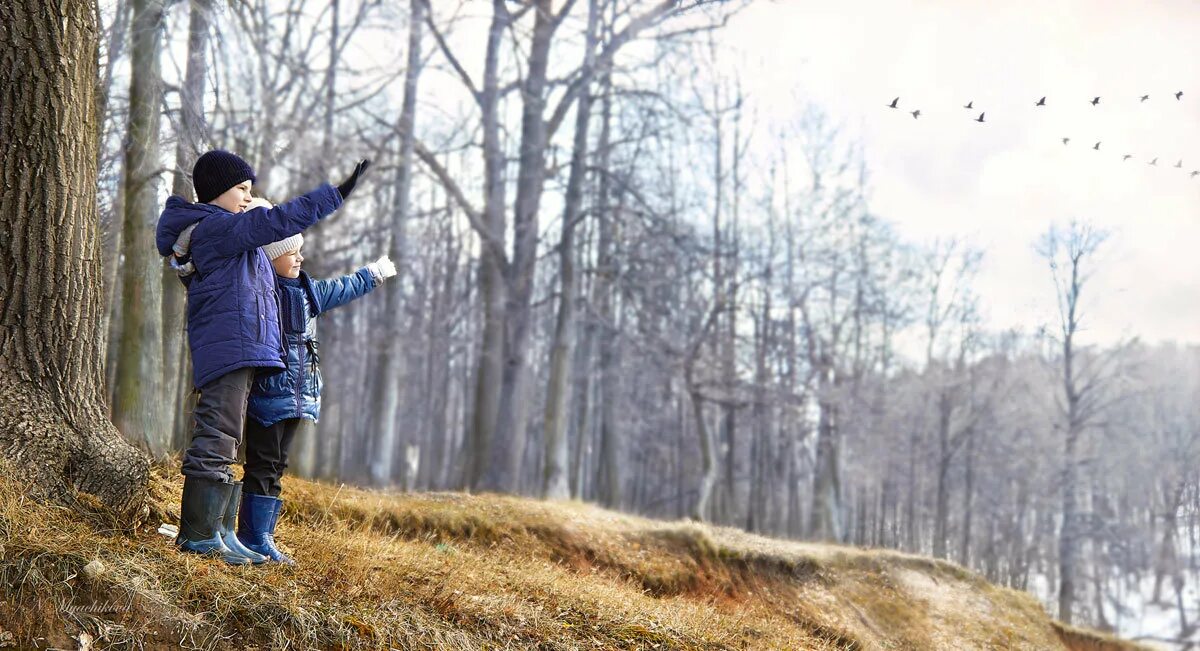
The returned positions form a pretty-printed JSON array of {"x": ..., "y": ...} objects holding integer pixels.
[
  {"x": 339, "y": 291},
  {"x": 260, "y": 226},
  {"x": 173, "y": 221}
]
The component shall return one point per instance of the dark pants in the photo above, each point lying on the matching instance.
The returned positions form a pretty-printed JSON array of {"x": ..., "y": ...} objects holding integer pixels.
[
  {"x": 267, "y": 455},
  {"x": 219, "y": 418}
]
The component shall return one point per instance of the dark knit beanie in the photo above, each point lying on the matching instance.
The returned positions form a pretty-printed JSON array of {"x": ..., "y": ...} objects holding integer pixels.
[{"x": 217, "y": 171}]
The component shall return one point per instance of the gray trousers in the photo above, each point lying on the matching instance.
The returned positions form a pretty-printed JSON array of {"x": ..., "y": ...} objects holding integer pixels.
[{"x": 220, "y": 416}]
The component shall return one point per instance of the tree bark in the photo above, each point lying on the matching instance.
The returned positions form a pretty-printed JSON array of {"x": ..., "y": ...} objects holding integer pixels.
[
  {"x": 138, "y": 405},
  {"x": 52, "y": 425}
]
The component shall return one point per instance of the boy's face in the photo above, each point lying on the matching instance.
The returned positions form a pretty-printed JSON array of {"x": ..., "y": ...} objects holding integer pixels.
[
  {"x": 234, "y": 199},
  {"x": 288, "y": 264}
]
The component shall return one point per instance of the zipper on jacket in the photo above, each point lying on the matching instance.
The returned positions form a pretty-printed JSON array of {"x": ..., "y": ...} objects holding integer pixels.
[
  {"x": 280, "y": 293},
  {"x": 299, "y": 373}
]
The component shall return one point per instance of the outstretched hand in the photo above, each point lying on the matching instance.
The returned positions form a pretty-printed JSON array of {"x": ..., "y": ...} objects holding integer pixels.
[
  {"x": 346, "y": 187},
  {"x": 382, "y": 269}
]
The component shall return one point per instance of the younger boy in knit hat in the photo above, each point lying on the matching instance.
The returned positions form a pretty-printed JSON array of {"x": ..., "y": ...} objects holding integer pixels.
[
  {"x": 233, "y": 328},
  {"x": 280, "y": 402}
]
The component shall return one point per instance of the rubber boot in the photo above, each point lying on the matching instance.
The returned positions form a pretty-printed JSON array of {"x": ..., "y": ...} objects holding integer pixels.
[
  {"x": 256, "y": 526},
  {"x": 228, "y": 522},
  {"x": 200, "y": 514}
]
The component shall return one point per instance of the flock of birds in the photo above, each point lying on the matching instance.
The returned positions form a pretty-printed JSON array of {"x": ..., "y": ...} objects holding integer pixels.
[{"x": 1095, "y": 101}]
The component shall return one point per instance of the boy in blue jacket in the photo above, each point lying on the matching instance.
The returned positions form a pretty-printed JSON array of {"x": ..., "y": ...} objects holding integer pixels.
[
  {"x": 280, "y": 402},
  {"x": 233, "y": 328}
]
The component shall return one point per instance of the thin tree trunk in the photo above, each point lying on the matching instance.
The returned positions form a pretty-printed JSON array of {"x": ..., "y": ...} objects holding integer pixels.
[
  {"x": 190, "y": 140},
  {"x": 708, "y": 466},
  {"x": 385, "y": 425},
  {"x": 554, "y": 473},
  {"x": 942, "y": 501},
  {"x": 138, "y": 398},
  {"x": 603, "y": 290},
  {"x": 964, "y": 550},
  {"x": 110, "y": 225},
  {"x": 826, "y": 518},
  {"x": 504, "y": 469},
  {"x": 493, "y": 289},
  {"x": 912, "y": 541}
]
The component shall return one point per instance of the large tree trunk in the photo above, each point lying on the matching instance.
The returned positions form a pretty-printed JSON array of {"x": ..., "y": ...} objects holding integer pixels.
[
  {"x": 52, "y": 423},
  {"x": 138, "y": 410},
  {"x": 385, "y": 422}
]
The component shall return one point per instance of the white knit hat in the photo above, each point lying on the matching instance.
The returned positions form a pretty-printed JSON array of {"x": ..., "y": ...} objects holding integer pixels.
[{"x": 276, "y": 249}]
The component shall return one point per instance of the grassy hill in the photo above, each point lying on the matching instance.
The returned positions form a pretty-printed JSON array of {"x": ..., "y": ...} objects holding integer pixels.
[{"x": 455, "y": 571}]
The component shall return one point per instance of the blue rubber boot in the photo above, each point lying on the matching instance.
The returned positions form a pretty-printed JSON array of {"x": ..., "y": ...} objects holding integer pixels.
[
  {"x": 201, "y": 510},
  {"x": 256, "y": 526},
  {"x": 227, "y": 528}
]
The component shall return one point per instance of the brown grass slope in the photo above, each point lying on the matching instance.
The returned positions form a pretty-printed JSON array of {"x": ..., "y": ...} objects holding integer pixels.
[{"x": 454, "y": 571}]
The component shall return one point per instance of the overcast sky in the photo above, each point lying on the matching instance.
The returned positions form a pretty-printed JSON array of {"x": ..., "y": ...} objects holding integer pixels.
[{"x": 1000, "y": 183}]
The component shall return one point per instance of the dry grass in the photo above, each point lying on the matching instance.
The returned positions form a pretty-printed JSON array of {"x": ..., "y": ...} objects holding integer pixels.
[{"x": 453, "y": 571}]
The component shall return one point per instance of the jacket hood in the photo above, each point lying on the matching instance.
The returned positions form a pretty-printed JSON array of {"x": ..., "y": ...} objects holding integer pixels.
[{"x": 178, "y": 214}]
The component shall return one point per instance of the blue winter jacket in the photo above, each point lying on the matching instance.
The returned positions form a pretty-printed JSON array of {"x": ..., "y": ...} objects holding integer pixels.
[
  {"x": 296, "y": 393},
  {"x": 232, "y": 314}
]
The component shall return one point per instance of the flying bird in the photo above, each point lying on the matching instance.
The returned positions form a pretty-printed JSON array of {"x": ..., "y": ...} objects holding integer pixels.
[
  {"x": 1095, "y": 100},
  {"x": 1179, "y": 94},
  {"x": 916, "y": 114},
  {"x": 894, "y": 102},
  {"x": 970, "y": 104},
  {"x": 1179, "y": 165},
  {"x": 1154, "y": 162},
  {"x": 1096, "y": 146},
  {"x": 1066, "y": 140},
  {"x": 1145, "y": 97},
  {"x": 1126, "y": 157},
  {"x": 1195, "y": 172},
  {"x": 980, "y": 118},
  {"x": 1041, "y": 102}
]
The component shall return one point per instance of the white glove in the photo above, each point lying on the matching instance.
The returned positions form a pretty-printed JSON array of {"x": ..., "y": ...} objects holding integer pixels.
[
  {"x": 184, "y": 241},
  {"x": 382, "y": 269}
]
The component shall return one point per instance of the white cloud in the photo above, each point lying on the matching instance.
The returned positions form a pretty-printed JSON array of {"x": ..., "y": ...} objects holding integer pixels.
[{"x": 1002, "y": 182}]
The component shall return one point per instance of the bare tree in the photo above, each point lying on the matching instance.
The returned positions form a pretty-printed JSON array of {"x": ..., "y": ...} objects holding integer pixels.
[
  {"x": 554, "y": 476},
  {"x": 138, "y": 401},
  {"x": 388, "y": 390},
  {"x": 1069, "y": 253}
]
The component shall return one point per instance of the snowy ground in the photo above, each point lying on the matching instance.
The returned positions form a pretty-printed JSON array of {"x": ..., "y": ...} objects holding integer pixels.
[{"x": 1134, "y": 617}]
